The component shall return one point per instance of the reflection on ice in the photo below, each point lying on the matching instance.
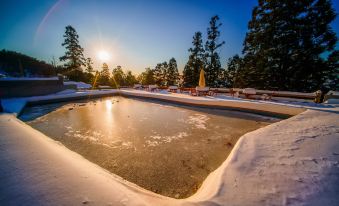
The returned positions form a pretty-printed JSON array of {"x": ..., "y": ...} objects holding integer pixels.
[{"x": 164, "y": 148}]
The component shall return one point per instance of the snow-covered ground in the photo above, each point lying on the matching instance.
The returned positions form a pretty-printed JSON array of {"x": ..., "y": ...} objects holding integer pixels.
[
  {"x": 15, "y": 105},
  {"x": 79, "y": 85},
  {"x": 292, "y": 162}
]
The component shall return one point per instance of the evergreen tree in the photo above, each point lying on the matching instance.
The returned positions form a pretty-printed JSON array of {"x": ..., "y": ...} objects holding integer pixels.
[
  {"x": 195, "y": 62},
  {"x": 73, "y": 57},
  {"x": 284, "y": 44},
  {"x": 172, "y": 73},
  {"x": 130, "y": 79},
  {"x": 332, "y": 77},
  {"x": 147, "y": 77},
  {"x": 10, "y": 65},
  {"x": 232, "y": 74},
  {"x": 104, "y": 77},
  {"x": 164, "y": 69},
  {"x": 89, "y": 67},
  {"x": 213, "y": 69},
  {"x": 118, "y": 77},
  {"x": 160, "y": 74}
]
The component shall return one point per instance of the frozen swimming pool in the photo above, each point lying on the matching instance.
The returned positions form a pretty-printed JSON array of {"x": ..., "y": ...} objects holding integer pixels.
[{"x": 164, "y": 148}]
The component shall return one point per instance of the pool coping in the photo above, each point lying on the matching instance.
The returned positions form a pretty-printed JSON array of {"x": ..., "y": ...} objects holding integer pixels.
[{"x": 256, "y": 107}]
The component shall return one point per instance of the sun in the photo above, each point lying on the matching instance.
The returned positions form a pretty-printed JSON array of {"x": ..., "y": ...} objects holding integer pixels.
[{"x": 103, "y": 55}]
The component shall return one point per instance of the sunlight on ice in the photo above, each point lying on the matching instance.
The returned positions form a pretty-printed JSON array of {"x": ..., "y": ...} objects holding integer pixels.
[{"x": 108, "y": 104}]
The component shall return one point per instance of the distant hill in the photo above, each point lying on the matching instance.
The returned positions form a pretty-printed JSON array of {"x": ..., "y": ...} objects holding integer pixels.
[{"x": 17, "y": 64}]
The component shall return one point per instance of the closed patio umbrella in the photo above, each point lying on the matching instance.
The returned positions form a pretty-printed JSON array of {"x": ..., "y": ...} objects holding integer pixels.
[{"x": 202, "y": 78}]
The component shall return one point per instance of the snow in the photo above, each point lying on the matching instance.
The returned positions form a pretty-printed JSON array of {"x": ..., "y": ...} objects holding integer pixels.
[
  {"x": 334, "y": 93},
  {"x": 291, "y": 162},
  {"x": 15, "y": 105},
  {"x": 80, "y": 85},
  {"x": 36, "y": 170},
  {"x": 287, "y": 93},
  {"x": 254, "y": 106},
  {"x": 67, "y": 91},
  {"x": 198, "y": 120},
  {"x": 332, "y": 101},
  {"x": 157, "y": 139}
]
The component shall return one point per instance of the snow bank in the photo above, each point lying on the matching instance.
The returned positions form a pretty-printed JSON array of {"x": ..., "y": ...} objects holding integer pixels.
[
  {"x": 36, "y": 170},
  {"x": 80, "y": 85},
  {"x": 254, "y": 106},
  {"x": 15, "y": 105},
  {"x": 332, "y": 101},
  {"x": 67, "y": 91},
  {"x": 292, "y": 162}
]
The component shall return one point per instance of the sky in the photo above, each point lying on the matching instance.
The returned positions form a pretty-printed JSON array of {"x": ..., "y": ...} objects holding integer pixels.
[{"x": 135, "y": 33}]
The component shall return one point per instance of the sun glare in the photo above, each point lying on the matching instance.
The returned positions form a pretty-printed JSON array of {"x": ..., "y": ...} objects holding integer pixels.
[
  {"x": 108, "y": 104},
  {"x": 103, "y": 55}
]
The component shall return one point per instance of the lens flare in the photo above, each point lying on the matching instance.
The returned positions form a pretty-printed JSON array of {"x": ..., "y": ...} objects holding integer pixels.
[{"x": 103, "y": 55}]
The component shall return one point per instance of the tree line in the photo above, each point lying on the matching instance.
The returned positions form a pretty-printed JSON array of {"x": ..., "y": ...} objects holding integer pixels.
[
  {"x": 290, "y": 45},
  {"x": 18, "y": 65},
  {"x": 164, "y": 74},
  {"x": 205, "y": 56}
]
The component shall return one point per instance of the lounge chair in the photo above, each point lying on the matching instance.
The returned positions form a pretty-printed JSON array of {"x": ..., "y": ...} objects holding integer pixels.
[
  {"x": 152, "y": 88},
  {"x": 266, "y": 97},
  {"x": 202, "y": 91},
  {"x": 137, "y": 86},
  {"x": 185, "y": 89},
  {"x": 104, "y": 87},
  {"x": 173, "y": 89},
  {"x": 248, "y": 92}
]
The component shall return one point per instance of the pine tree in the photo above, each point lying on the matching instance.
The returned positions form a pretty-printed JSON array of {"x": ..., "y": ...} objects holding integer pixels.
[
  {"x": 195, "y": 62},
  {"x": 232, "y": 74},
  {"x": 284, "y": 44},
  {"x": 164, "y": 70},
  {"x": 213, "y": 69},
  {"x": 172, "y": 72},
  {"x": 130, "y": 79},
  {"x": 147, "y": 77},
  {"x": 160, "y": 74},
  {"x": 89, "y": 67},
  {"x": 73, "y": 57},
  {"x": 118, "y": 77},
  {"x": 104, "y": 77},
  {"x": 332, "y": 77}
]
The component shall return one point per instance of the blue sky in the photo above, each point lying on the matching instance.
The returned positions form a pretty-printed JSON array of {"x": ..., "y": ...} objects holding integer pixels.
[{"x": 136, "y": 33}]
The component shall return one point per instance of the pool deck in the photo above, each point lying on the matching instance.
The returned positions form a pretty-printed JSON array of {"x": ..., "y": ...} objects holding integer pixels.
[
  {"x": 231, "y": 103},
  {"x": 291, "y": 162},
  {"x": 269, "y": 108}
]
